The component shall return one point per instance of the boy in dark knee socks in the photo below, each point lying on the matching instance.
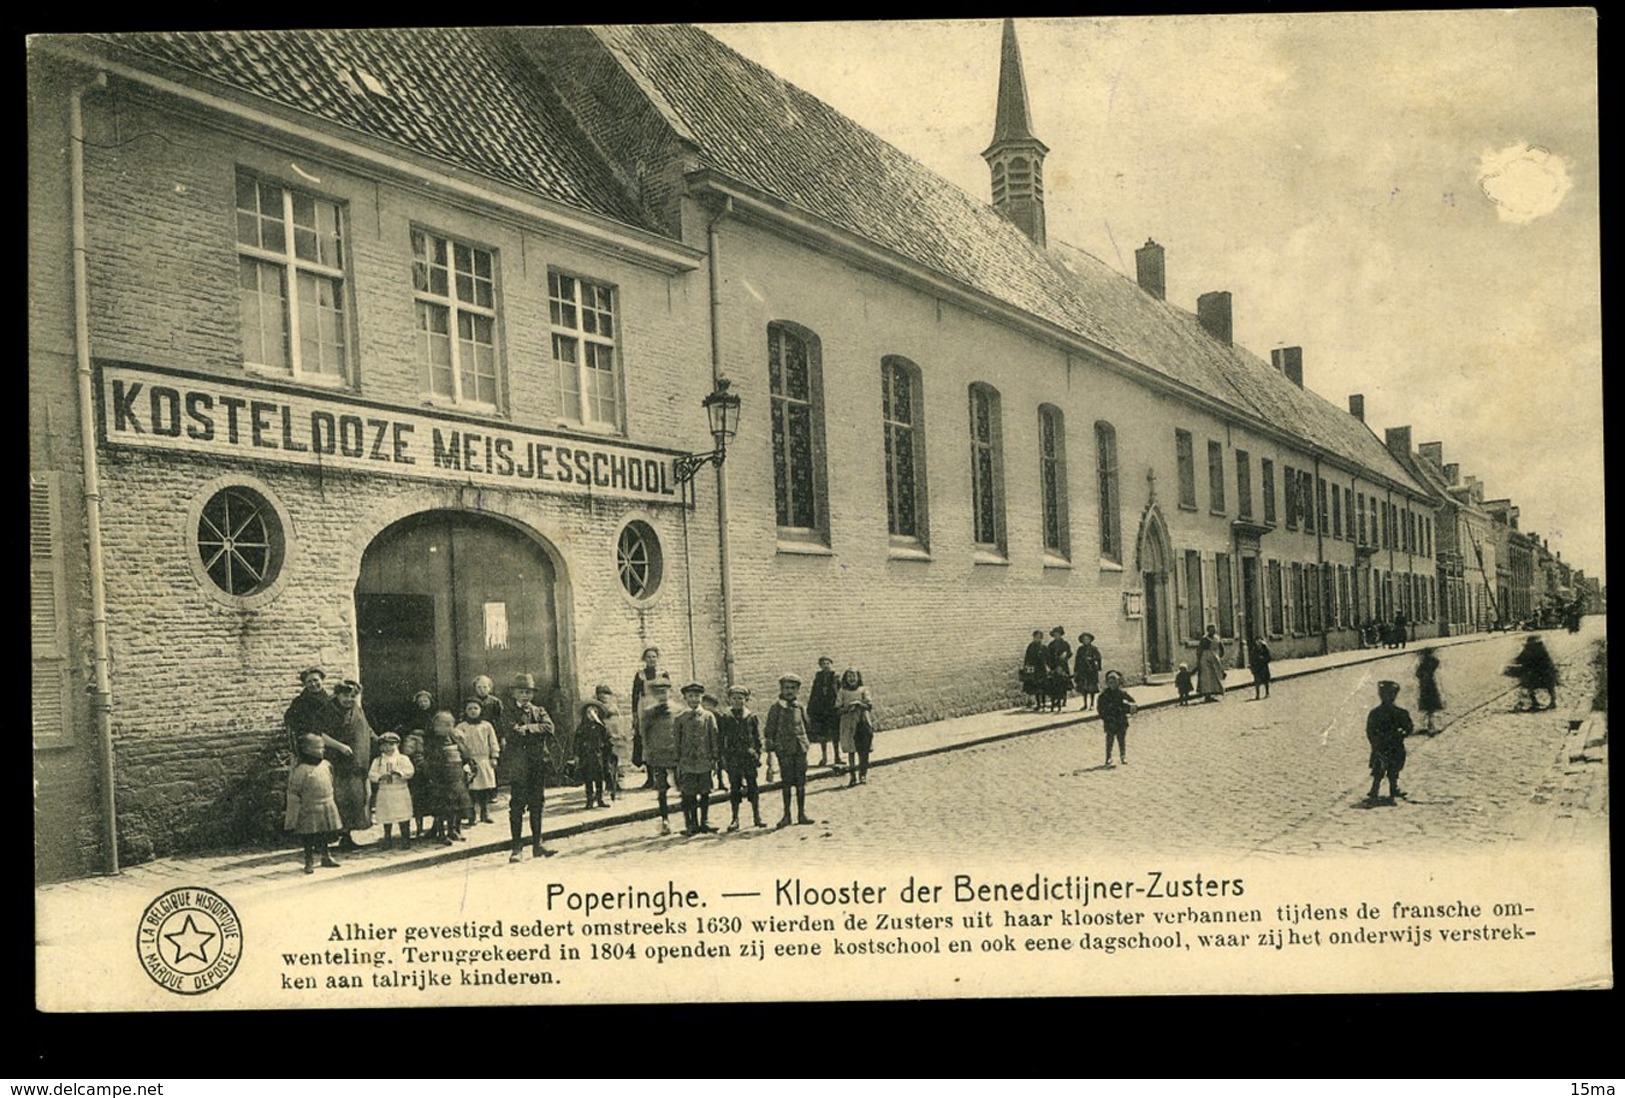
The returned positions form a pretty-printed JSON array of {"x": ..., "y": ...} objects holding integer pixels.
[
  {"x": 786, "y": 737},
  {"x": 740, "y": 734}
]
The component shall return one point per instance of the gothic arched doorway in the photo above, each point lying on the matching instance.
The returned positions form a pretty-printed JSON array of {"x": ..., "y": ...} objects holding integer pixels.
[
  {"x": 444, "y": 596},
  {"x": 1153, "y": 558}
]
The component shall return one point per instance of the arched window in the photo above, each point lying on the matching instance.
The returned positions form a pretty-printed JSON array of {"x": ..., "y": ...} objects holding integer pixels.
[
  {"x": 987, "y": 469},
  {"x": 1111, "y": 527},
  {"x": 795, "y": 380},
  {"x": 1052, "y": 479},
  {"x": 901, "y": 411}
]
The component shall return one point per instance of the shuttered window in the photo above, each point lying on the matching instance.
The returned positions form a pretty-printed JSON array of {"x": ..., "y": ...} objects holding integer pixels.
[{"x": 48, "y": 612}]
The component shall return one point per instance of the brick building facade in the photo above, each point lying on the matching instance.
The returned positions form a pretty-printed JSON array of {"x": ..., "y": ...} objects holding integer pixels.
[{"x": 391, "y": 340}]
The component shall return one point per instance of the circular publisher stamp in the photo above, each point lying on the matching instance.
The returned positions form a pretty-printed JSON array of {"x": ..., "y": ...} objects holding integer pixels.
[{"x": 189, "y": 940}]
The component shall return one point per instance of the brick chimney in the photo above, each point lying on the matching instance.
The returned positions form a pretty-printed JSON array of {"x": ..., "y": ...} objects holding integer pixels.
[
  {"x": 1432, "y": 453},
  {"x": 1289, "y": 360},
  {"x": 1357, "y": 406},
  {"x": 1398, "y": 441},
  {"x": 1213, "y": 312},
  {"x": 1150, "y": 270},
  {"x": 1452, "y": 474}
]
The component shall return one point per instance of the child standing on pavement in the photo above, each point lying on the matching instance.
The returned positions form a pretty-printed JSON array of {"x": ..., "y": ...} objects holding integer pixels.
[
  {"x": 740, "y": 734},
  {"x": 697, "y": 757},
  {"x": 786, "y": 737},
  {"x": 447, "y": 768},
  {"x": 1116, "y": 706},
  {"x": 389, "y": 776},
  {"x": 312, "y": 812},
  {"x": 480, "y": 739},
  {"x": 857, "y": 724},
  {"x": 1182, "y": 683},
  {"x": 1261, "y": 667},
  {"x": 1428, "y": 699},
  {"x": 1386, "y": 727},
  {"x": 593, "y": 752}
]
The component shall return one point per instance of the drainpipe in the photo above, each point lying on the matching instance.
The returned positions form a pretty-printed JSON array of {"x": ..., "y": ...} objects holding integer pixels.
[
  {"x": 102, "y": 696},
  {"x": 726, "y": 560},
  {"x": 1320, "y": 560}
]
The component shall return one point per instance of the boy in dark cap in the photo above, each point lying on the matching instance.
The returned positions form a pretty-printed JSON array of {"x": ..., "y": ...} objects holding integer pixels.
[
  {"x": 697, "y": 757},
  {"x": 523, "y": 766},
  {"x": 1386, "y": 727},
  {"x": 740, "y": 735},
  {"x": 659, "y": 729},
  {"x": 786, "y": 736}
]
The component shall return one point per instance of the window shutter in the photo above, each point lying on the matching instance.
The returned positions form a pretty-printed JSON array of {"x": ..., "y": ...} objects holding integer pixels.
[{"x": 51, "y": 682}]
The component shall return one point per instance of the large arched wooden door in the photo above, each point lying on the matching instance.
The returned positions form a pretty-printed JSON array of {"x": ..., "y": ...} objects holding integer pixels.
[{"x": 444, "y": 596}]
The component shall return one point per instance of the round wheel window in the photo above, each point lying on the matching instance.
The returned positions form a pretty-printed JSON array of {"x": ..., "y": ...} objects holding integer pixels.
[
  {"x": 637, "y": 560},
  {"x": 240, "y": 541}
]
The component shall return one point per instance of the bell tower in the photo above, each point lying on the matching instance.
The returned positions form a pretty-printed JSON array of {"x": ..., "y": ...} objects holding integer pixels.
[{"x": 1016, "y": 157}]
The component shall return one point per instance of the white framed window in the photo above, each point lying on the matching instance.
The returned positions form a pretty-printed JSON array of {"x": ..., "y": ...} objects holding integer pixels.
[
  {"x": 638, "y": 560},
  {"x": 454, "y": 286},
  {"x": 795, "y": 382},
  {"x": 290, "y": 282},
  {"x": 1052, "y": 480},
  {"x": 986, "y": 469},
  {"x": 582, "y": 315}
]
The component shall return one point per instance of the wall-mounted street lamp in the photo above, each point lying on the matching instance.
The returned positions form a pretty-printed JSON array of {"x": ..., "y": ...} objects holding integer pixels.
[{"x": 722, "y": 410}]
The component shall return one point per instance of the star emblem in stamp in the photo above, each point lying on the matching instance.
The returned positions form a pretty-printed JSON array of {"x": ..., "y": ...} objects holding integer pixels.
[{"x": 189, "y": 940}]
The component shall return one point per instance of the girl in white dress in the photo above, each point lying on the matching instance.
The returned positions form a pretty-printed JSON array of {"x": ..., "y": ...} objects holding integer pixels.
[
  {"x": 477, "y": 735},
  {"x": 389, "y": 776}
]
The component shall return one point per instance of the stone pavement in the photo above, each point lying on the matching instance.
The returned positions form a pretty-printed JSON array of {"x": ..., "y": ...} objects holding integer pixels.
[{"x": 568, "y": 817}]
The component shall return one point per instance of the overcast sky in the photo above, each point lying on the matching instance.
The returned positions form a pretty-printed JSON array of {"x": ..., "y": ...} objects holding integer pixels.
[{"x": 1412, "y": 198}]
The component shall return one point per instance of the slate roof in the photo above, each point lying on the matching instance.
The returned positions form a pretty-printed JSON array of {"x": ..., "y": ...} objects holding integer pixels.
[
  {"x": 467, "y": 97},
  {"x": 754, "y": 126}
]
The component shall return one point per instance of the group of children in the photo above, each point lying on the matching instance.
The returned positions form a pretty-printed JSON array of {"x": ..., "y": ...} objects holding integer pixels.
[
  {"x": 448, "y": 769},
  {"x": 687, "y": 746},
  {"x": 1049, "y": 672}
]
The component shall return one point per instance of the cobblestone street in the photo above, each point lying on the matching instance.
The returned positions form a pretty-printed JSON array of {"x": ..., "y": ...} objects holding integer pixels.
[{"x": 1275, "y": 778}]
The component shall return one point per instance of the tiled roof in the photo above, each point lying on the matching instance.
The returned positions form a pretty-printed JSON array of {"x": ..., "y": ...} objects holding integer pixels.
[
  {"x": 754, "y": 126},
  {"x": 467, "y": 97}
]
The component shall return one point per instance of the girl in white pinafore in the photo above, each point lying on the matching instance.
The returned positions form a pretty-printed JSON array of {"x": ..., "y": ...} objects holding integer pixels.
[
  {"x": 477, "y": 735},
  {"x": 390, "y": 776}
]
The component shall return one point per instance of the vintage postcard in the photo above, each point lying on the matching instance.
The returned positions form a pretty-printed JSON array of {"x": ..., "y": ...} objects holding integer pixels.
[{"x": 974, "y": 508}]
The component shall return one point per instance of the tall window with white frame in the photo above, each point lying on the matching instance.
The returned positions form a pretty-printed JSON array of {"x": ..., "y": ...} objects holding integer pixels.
[
  {"x": 1111, "y": 526},
  {"x": 901, "y": 414},
  {"x": 582, "y": 316},
  {"x": 454, "y": 286},
  {"x": 1266, "y": 472},
  {"x": 290, "y": 278},
  {"x": 1052, "y": 480},
  {"x": 1244, "y": 484},
  {"x": 793, "y": 378},
  {"x": 986, "y": 467},
  {"x": 1215, "y": 477}
]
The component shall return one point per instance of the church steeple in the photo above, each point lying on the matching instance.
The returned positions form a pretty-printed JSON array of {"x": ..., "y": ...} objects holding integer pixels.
[{"x": 1016, "y": 157}]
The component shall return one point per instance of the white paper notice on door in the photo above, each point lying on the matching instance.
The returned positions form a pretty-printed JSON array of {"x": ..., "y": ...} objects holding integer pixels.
[{"x": 496, "y": 625}]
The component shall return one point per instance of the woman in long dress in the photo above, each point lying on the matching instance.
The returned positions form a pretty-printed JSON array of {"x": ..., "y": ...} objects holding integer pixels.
[
  {"x": 1210, "y": 665},
  {"x": 1035, "y": 670},
  {"x": 1060, "y": 669}
]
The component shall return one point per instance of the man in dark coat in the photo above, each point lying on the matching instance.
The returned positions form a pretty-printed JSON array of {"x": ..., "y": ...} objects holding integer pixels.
[
  {"x": 312, "y": 713},
  {"x": 351, "y": 758},
  {"x": 1386, "y": 727},
  {"x": 523, "y": 765}
]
